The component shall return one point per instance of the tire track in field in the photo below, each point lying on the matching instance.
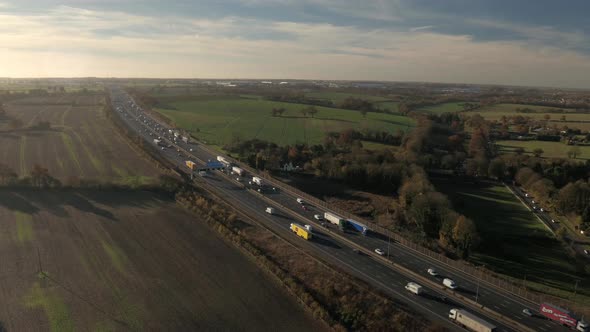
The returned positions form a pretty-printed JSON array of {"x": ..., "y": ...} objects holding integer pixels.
[
  {"x": 67, "y": 140},
  {"x": 230, "y": 122},
  {"x": 96, "y": 163},
  {"x": 105, "y": 148},
  {"x": 21, "y": 157},
  {"x": 284, "y": 131},
  {"x": 58, "y": 159},
  {"x": 65, "y": 113},
  {"x": 43, "y": 110},
  {"x": 305, "y": 122}
]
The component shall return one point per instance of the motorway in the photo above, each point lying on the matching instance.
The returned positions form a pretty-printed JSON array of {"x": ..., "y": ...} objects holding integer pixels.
[
  {"x": 546, "y": 218},
  {"x": 332, "y": 245}
]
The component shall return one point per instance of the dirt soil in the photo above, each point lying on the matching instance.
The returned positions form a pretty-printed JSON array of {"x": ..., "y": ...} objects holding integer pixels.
[
  {"x": 81, "y": 141},
  {"x": 118, "y": 261}
]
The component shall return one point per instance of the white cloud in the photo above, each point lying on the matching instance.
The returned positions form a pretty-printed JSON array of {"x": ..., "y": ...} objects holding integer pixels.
[
  {"x": 65, "y": 42},
  {"x": 426, "y": 27}
]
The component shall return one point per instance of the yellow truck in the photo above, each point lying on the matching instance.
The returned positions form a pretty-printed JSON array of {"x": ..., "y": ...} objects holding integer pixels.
[
  {"x": 301, "y": 231},
  {"x": 191, "y": 164}
]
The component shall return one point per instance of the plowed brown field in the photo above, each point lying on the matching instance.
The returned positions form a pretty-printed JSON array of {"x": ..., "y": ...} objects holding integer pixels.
[
  {"x": 113, "y": 261},
  {"x": 81, "y": 142}
]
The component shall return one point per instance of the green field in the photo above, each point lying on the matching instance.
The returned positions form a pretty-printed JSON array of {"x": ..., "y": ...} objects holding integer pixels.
[
  {"x": 511, "y": 108},
  {"x": 443, "y": 108},
  {"x": 551, "y": 149},
  {"x": 338, "y": 97},
  {"x": 572, "y": 120},
  {"x": 514, "y": 241},
  {"x": 390, "y": 105},
  {"x": 377, "y": 146},
  {"x": 218, "y": 121}
]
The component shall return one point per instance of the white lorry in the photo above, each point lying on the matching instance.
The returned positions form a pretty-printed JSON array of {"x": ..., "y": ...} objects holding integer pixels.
[
  {"x": 470, "y": 321},
  {"x": 414, "y": 288},
  {"x": 238, "y": 171},
  {"x": 257, "y": 180},
  {"x": 334, "y": 219},
  {"x": 270, "y": 210}
]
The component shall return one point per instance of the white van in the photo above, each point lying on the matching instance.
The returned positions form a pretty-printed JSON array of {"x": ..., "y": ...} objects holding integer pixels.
[
  {"x": 270, "y": 210},
  {"x": 300, "y": 201},
  {"x": 450, "y": 283},
  {"x": 414, "y": 288}
]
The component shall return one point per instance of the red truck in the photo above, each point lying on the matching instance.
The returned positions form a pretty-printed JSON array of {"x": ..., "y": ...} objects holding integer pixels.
[{"x": 563, "y": 317}]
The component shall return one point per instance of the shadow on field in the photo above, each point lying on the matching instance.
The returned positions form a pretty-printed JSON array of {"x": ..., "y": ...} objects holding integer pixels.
[
  {"x": 16, "y": 202},
  {"x": 333, "y": 119},
  {"x": 394, "y": 122},
  {"x": 56, "y": 202}
]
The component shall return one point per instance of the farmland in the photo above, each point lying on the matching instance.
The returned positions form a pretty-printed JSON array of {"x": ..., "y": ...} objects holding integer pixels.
[
  {"x": 443, "y": 108},
  {"x": 338, "y": 97},
  {"x": 218, "y": 121},
  {"x": 514, "y": 241},
  {"x": 105, "y": 261},
  {"x": 569, "y": 118},
  {"x": 550, "y": 149},
  {"x": 80, "y": 142}
]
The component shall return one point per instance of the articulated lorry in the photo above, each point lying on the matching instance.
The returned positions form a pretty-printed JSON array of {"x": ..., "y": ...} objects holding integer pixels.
[
  {"x": 191, "y": 164},
  {"x": 358, "y": 226},
  {"x": 335, "y": 219},
  {"x": 470, "y": 321},
  {"x": 563, "y": 317},
  {"x": 224, "y": 161},
  {"x": 238, "y": 171},
  {"x": 300, "y": 231}
]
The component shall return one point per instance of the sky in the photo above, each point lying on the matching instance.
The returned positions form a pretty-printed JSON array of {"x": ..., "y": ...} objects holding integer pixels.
[{"x": 524, "y": 42}]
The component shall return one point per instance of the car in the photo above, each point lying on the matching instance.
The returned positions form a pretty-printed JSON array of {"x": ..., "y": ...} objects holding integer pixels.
[
  {"x": 324, "y": 225},
  {"x": 304, "y": 207},
  {"x": 533, "y": 201},
  {"x": 587, "y": 252},
  {"x": 379, "y": 252},
  {"x": 300, "y": 201},
  {"x": 526, "y": 195},
  {"x": 239, "y": 179},
  {"x": 432, "y": 272},
  {"x": 356, "y": 251},
  {"x": 534, "y": 207},
  {"x": 527, "y": 312},
  {"x": 191, "y": 149},
  {"x": 541, "y": 209},
  {"x": 318, "y": 217},
  {"x": 450, "y": 283},
  {"x": 553, "y": 221}
]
